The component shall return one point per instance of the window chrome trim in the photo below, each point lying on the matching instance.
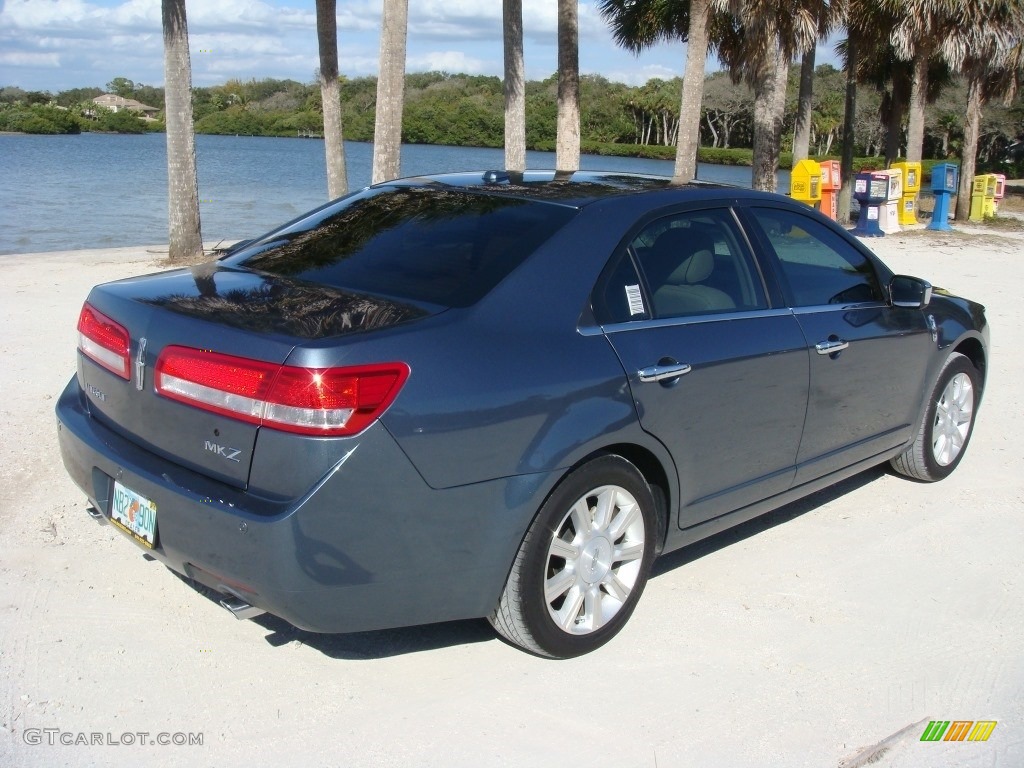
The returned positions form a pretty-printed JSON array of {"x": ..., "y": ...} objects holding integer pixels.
[
  {"x": 721, "y": 317},
  {"x": 671, "y": 322},
  {"x": 819, "y": 308}
]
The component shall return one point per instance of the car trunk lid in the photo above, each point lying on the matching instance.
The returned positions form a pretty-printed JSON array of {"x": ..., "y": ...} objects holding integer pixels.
[{"x": 230, "y": 312}]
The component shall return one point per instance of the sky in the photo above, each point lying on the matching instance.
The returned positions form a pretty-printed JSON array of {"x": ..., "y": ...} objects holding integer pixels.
[{"x": 54, "y": 45}]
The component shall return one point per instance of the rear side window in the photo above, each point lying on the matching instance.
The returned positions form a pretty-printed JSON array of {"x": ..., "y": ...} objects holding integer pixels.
[
  {"x": 694, "y": 264},
  {"x": 819, "y": 266},
  {"x": 432, "y": 245}
]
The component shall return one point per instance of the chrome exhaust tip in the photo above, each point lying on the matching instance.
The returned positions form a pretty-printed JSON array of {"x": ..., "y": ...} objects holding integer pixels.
[{"x": 240, "y": 609}]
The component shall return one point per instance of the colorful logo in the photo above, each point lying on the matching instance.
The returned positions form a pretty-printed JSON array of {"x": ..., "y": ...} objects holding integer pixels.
[{"x": 958, "y": 730}]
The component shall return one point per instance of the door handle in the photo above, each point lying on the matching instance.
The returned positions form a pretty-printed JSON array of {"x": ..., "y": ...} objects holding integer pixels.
[
  {"x": 662, "y": 372},
  {"x": 831, "y": 346}
]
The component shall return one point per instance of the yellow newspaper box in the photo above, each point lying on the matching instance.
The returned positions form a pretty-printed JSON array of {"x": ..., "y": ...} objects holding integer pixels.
[
  {"x": 983, "y": 197},
  {"x": 911, "y": 173},
  {"x": 805, "y": 183}
]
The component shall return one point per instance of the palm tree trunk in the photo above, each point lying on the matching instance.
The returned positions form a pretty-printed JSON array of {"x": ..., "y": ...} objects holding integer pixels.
[
  {"x": 387, "y": 130},
  {"x": 515, "y": 86},
  {"x": 805, "y": 107},
  {"x": 186, "y": 242},
  {"x": 769, "y": 106},
  {"x": 330, "y": 92},
  {"x": 918, "y": 93},
  {"x": 975, "y": 103},
  {"x": 849, "y": 124},
  {"x": 693, "y": 93},
  {"x": 567, "y": 140},
  {"x": 897, "y": 110}
]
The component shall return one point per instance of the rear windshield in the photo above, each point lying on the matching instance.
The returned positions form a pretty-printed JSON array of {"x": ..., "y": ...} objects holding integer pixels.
[{"x": 434, "y": 245}]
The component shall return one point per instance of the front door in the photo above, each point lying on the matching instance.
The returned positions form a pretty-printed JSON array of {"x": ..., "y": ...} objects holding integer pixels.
[{"x": 857, "y": 407}]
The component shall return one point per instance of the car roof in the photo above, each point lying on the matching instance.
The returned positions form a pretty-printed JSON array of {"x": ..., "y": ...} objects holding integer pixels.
[{"x": 573, "y": 188}]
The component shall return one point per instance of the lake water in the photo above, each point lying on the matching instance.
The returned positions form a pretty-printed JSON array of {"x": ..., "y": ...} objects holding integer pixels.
[{"x": 108, "y": 190}]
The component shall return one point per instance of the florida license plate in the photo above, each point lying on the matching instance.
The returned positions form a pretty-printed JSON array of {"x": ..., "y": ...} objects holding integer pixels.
[{"x": 134, "y": 514}]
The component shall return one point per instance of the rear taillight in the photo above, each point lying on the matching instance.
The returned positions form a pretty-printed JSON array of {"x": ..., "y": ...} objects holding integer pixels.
[
  {"x": 310, "y": 401},
  {"x": 103, "y": 341}
]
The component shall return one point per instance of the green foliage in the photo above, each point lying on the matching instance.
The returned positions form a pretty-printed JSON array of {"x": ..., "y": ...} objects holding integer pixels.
[
  {"x": 728, "y": 156},
  {"x": 75, "y": 96},
  {"x": 37, "y": 118},
  {"x": 236, "y": 120},
  {"x": 468, "y": 110},
  {"x": 122, "y": 86},
  {"x": 122, "y": 121}
]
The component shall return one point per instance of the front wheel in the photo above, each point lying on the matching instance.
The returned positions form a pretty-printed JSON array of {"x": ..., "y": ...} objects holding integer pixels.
[
  {"x": 947, "y": 425},
  {"x": 583, "y": 562}
]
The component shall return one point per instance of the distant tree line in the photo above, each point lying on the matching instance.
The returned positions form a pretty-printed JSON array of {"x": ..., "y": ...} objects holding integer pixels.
[{"x": 468, "y": 110}]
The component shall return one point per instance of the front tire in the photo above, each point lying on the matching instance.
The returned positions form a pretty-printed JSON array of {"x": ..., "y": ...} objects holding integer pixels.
[
  {"x": 583, "y": 563},
  {"x": 947, "y": 425}
]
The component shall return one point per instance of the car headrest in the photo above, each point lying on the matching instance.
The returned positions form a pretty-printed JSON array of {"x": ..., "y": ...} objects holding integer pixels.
[
  {"x": 695, "y": 269},
  {"x": 682, "y": 256}
]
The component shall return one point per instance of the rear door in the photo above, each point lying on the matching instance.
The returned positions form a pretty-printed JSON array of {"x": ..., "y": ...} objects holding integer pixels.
[
  {"x": 868, "y": 359},
  {"x": 718, "y": 375}
]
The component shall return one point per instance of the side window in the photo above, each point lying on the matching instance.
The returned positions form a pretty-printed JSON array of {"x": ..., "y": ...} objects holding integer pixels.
[
  {"x": 693, "y": 265},
  {"x": 618, "y": 297},
  {"x": 820, "y": 267}
]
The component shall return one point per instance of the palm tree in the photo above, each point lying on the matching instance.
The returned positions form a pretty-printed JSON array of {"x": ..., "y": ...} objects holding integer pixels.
[
  {"x": 991, "y": 55},
  {"x": 854, "y": 41},
  {"x": 762, "y": 40},
  {"x": 639, "y": 25},
  {"x": 515, "y": 86},
  {"x": 387, "y": 130},
  {"x": 921, "y": 28},
  {"x": 567, "y": 139},
  {"x": 330, "y": 92},
  {"x": 186, "y": 242},
  {"x": 830, "y": 13}
]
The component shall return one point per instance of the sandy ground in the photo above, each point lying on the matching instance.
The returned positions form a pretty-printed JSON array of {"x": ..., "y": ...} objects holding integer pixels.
[{"x": 800, "y": 639}]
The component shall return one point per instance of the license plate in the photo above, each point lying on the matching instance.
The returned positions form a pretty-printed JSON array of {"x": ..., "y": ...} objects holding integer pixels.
[{"x": 134, "y": 514}]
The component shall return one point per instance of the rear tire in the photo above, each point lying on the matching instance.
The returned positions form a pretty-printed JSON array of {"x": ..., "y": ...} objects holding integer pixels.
[
  {"x": 583, "y": 563},
  {"x": 947, "y": 425}
]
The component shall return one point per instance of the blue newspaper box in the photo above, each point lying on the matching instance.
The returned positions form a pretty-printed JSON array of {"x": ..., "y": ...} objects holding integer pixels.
[
  {"x": 871, "y": 190},
  {"x": 945, "y": 178}
]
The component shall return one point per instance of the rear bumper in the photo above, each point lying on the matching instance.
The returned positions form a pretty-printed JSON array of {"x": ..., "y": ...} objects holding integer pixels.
[{"x": 369, "y": 546}]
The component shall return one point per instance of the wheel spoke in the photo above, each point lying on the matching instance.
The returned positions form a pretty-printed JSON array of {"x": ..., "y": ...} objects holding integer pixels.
[
  {"x": 629, "y": 551},
  {"x": 592, "y": 608},
  {"x": 581, "y": 517},
  {"x": 615, "y": 586},
  {"x": 558, "y": 585},
  {"x": 603, "y": 510},
  {"x": 625, "y": 518},
  {"x": 570, "y": 609},
  {"x": 564, "y": 549}
]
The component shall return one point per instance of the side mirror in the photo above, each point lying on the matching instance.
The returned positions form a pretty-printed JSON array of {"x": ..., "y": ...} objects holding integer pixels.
[{"x": 910, "y": 292}]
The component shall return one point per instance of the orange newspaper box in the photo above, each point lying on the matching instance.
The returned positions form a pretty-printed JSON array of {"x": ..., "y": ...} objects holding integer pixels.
[{"x": 831, "y": 182}]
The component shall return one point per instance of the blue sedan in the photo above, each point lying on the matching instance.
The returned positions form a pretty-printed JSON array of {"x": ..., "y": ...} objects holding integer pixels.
[{"x": 503, "y": 395}]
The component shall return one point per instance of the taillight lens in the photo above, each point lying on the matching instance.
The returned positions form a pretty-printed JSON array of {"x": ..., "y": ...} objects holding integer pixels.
[
  {"x": 104, "y": 341},
  {"x": 309, "y": 401}
]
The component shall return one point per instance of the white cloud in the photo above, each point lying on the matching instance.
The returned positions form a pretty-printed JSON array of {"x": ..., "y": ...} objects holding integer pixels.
[
  {"x": 58, "y": 44},
  {"x": 22, "y": 59},
  {"x": 446, "y": 61}
]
